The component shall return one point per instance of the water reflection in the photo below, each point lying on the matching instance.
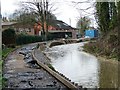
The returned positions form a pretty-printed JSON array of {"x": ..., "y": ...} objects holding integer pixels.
[
  {"x": 108, "y": 74},
  {"x": 77, "y": 65},
  {"x": 82, "y": 67}
]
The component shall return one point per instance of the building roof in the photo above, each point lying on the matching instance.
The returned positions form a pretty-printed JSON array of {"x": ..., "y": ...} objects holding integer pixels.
[
  {"x": 56, "y": 25},
  {"x": 59, "y": 25}
]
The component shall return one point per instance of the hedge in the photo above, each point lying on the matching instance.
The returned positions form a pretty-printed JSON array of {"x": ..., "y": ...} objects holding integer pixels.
[{"x": 25, "y": 39}]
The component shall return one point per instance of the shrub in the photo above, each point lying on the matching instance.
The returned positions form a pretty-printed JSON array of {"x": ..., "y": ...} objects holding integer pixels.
[
  {"x": 94, "y": 47},
  {"x": 8, "y": 36},
  {"x": 112, "y": 38},
  {"x": 25, "y": 39}
]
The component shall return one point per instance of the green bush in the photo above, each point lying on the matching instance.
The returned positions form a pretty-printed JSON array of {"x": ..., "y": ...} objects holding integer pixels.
[
  {"x": 25, "y": 39},
  {"x": 8, "y": 36}
]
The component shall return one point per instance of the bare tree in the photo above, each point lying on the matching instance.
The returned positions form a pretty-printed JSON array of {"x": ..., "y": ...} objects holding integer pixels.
[
  {"x": 89, "y": 5},
  {"x": 88, "y": 11},
  {"x": 42, "y": 9},
  {"x": 83, "y": 24}
]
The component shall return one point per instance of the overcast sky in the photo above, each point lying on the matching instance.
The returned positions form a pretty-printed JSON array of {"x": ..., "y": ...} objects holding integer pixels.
[{"x": 65, "y": 12}]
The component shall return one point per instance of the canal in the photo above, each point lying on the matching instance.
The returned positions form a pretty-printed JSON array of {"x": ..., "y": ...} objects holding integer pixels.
[{"x": 83, "y": 68}]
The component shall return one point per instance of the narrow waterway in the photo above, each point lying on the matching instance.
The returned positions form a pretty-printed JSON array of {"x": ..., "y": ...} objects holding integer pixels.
[{"x": 81, "y": 67}]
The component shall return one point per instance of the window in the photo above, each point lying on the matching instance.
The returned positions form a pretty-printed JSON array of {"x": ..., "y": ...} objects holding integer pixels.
[{"x": 29, "y": 29}]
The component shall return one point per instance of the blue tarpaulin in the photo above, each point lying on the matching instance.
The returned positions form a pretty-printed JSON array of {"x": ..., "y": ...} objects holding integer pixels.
[{"x": 91, "y": 33}]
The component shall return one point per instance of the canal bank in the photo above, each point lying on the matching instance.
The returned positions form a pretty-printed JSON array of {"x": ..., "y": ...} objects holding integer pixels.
[
  {"x": 44, "y": 61},
  {"x": 102, "y": 57},
  {"x": 55, "y": 74}
]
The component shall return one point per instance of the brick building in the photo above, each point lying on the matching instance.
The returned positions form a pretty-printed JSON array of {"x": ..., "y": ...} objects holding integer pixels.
[
  {"x": 58, "y": 29},
  {"x": 26, "y": 29}
]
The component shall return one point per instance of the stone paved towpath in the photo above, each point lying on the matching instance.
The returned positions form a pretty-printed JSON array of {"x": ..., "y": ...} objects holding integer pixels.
[{"x": 20, "y": 75}]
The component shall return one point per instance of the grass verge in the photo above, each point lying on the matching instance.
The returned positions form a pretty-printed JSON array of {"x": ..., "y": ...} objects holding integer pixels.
[
  {"x": 6, "y": 51},
  {"x": 1, "y": 74}
]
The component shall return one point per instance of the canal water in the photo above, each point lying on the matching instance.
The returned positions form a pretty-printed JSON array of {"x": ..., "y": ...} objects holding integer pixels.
[{"x": 83, "y": 68}]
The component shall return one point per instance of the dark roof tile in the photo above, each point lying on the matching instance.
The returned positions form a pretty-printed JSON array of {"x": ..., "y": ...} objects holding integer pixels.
[{"x": 61, "y": 25}]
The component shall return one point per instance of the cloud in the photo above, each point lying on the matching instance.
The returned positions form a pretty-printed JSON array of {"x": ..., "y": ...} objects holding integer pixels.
[
  {"x": 8, "y": 6},
  {"x": 66, "y": 11}
]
